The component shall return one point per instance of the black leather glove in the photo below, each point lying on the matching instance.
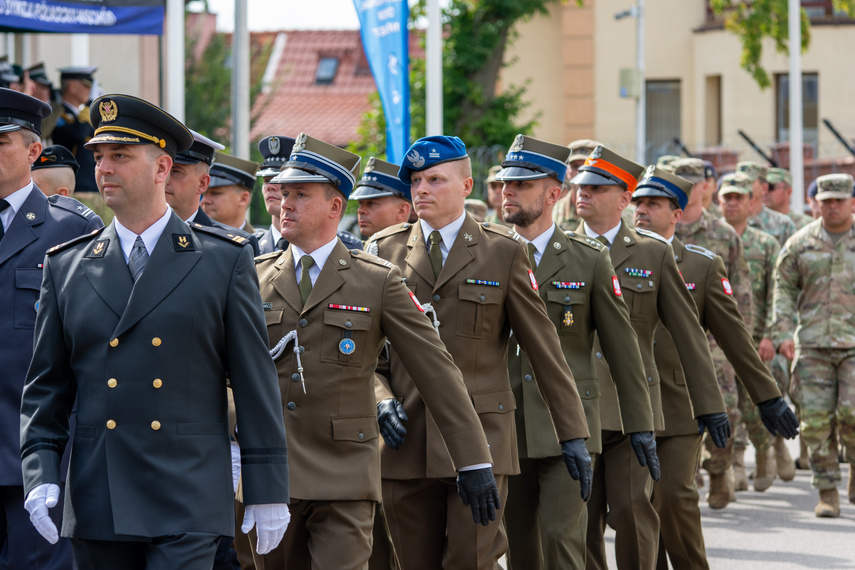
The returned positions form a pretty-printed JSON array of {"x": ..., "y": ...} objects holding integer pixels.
[
  {"x": 719, "y": 427},
  {"x": 644, "y": 445},
  {"x": 390, "y": 414},
  {"x": 578, "y": 463},
  {"x": 779, "y": 418},
  {"x": 477, "y": 488}
]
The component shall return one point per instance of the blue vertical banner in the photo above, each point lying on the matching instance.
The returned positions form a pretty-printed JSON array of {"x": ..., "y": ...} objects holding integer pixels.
[{"x": 383, "y": 26}]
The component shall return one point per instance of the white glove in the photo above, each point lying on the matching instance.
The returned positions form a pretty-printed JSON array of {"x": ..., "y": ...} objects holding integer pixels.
[
  {"x": 39, "y": 500},
  {"x": 235, "y": 464},
  {"x": 270, "y": 522}
]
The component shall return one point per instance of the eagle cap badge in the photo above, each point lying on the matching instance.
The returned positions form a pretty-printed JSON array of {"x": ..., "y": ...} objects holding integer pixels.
[{"x": 108, "y": 110}]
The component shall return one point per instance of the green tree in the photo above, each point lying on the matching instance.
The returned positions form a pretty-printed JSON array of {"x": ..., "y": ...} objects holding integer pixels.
[
  {"x": 207, "y": 87},
  {"x": 477, "y": 33},
  {"x": 757, "y": 20}
]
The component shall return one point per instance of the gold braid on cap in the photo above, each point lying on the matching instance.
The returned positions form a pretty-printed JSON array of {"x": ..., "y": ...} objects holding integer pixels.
[{"x": 160, "y": 142}]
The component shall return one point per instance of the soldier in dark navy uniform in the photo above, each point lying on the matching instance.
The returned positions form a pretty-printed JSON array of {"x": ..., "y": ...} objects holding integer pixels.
[
  {"x": 140, "y": 324},
  {"x": 73, "y": 129},
  {"x": 275, "y": 149},
  {"x": 30, "y": 224}
]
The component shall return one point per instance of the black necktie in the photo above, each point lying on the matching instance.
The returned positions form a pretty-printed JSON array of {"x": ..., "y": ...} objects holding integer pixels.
[
  {"x": 282, "y": 244},
  {"x": 3, "y": 205}
]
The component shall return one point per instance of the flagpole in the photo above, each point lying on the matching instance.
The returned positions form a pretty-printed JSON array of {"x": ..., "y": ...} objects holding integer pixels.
[
  {"x": 175, "y": 58},
  {"x": 434, "y": 69}
]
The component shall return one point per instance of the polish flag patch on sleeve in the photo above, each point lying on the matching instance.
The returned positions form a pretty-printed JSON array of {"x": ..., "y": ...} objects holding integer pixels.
[
  {"x": 416, "y": 301},
  {"x": 532, "y": 279},
  {"x": 616, "y": 286},
  {"x": 725, "y": 284}
]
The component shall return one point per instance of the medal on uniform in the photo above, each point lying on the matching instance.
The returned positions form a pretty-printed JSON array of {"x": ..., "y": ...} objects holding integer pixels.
[{"x": 568, "y": 316}]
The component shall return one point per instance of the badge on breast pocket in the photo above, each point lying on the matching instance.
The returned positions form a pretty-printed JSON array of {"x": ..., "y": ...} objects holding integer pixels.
[{"x": 346, "y": 346}]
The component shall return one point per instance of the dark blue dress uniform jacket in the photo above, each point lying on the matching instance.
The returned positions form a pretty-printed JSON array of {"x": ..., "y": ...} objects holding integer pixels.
[{"x": 40, "y": 224}]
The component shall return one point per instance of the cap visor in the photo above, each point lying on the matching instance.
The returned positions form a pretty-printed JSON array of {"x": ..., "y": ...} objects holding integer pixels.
[
  {"x": 724, "y": 190},
  {"x": 9, "y": 128},
  {"x": 269, "y": 171},
  {"x": 519, "y": 173},
  {"x": 370, "y": 192},
  {"x": 292, "y": 175},
  {"x": 588, "y": 178},
  {"x": 648, "y": 191},
  {"x": 185, "y": 160}
]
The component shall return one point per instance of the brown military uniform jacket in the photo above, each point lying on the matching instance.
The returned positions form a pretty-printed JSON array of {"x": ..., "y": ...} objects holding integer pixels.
[
  {"x": 705, "y": 277},
  {"x": 333, "y": 439},
  {"x": 484, "y": 289},
  {"x": 653, "y": 290},
  {"x": 575, "y": 279}
]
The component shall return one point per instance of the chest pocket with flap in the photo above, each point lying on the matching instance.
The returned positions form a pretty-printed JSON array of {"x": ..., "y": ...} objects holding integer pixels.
[
  {"x": 640, "y": 295},
  {"x": 340, "y": 326},
  {"x": 478, "y": 310},
  {"x": 565, "y": 307}
]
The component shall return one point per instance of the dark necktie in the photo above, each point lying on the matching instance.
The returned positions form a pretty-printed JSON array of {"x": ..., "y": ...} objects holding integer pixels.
[
  {"x": 282, "y": 244},
  {"x": 531, "y": 252},
  {"x": 137, "y": 259},
  {"x": 305, "y": 280},
  {"x": 435, "y": 252},
  {"x": 3, "y": 205},
  {"x": 605, "y": 241}
]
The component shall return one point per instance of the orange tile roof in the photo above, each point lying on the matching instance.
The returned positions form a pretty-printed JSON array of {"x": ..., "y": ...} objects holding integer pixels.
[{"x": 295, "y": 103}]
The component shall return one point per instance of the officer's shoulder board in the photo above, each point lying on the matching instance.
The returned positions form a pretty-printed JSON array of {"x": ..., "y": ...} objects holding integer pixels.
[
  {"x": 226, "y": 235},
  {"x": 369, "y": 257},
  {"x": 69, "y": 243},
  {"x": 654, "y": 235},
  {"x": 500, "y": 230},
  {"x": 71, "y": 205},
  {"x": 372, "y": 247},
  {"x": 390, "y": 231},
  {"x": 266, "y": 256},
  {"x": 584, "y": 239},
  {"x": 699, "y": 250}
]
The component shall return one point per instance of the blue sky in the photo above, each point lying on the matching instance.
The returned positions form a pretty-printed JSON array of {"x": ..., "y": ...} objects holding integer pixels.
[{"x": 289, "y": 14}]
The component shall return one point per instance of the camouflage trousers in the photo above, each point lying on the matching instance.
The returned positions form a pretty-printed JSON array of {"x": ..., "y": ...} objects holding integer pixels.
[
  {"x": 752, "y": 428},
  {"x": 824, "y": 385},
  {"x": 719, "y": 460}
]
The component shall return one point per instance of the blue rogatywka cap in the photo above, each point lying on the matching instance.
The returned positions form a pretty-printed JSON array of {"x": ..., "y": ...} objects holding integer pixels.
[
  {"x": 659, "y": 182},
  {"x": 430, "y": 151},
  {"x": 380, "y": 179},
  {"x": 530, "y": 159}
]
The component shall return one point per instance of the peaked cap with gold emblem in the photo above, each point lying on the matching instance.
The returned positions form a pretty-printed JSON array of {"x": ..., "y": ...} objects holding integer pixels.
[
  {"x": 606, "y": 168},
  {"x": 531, "y": 159},
  {"x": 313, "y": 160},
  {"x": 123, "y": 119}
]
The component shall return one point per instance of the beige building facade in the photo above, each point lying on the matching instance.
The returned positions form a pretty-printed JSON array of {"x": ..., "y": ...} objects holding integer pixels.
[{"x": 696, "y": 89}]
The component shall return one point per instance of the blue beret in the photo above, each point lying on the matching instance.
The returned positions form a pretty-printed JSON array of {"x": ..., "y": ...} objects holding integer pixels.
[{"x": 430, "y": 151}]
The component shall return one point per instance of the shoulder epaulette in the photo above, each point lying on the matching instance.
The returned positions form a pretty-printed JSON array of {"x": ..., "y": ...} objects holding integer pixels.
[
  {"x": 71, "y": 205},
  {"x": 580, "y": 238},
  {"x": 654, "y": 235},
  {"x": 369, "y": 257},
  {"x": 372, "y": 247},
  {"x": 501, "y": 230},
  {"x": 266, "y": 256},
  {"x": 69, "y": 243},
  {"x": 699, "y": 250},
  {"x": 391, "y": 230},
  {"x": 226, "y": 235}
]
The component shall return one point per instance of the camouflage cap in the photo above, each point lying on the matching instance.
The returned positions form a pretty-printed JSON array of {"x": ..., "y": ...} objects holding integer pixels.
[
  {"x": 692, "y": 169},
  {"x": 581, "y": 148},
  {"x": 491, "y": 175},
  {"x": 777, "y": 175},
  {"x": 754, "y": 170},
  {"x": 666, "y": 159},
  {"x": 736, "y": 183},
  {"x": 834, "y": 186}
]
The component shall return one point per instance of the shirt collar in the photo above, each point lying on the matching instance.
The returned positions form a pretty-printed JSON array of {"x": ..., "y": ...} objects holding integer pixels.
[
  {"x": 609, "y": 235},
  {"x": 192, "y": 216},
  {"x": 540, "y": 242},
  {"x": 275, "y": 235},
  {"x": 448, "y": 233},
  {"x": 149, "y": 236},
  {"x": 320, "y": 255},
  {"x": 17, "y": 198}
]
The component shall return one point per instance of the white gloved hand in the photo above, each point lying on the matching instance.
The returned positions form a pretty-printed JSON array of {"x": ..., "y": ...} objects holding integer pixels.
[
  {"x": 39, "y": 500},
  {"x": 235, "y": 464},
  {"x": 270, "y": 522}
]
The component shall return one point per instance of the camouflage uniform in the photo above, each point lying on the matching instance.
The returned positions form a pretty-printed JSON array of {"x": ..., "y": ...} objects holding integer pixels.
[
  {"x": 564, "y": 215},
  {"x": 715, "y": 210},
  {"x": 779, "y": 225},
  {"x": 781, "y": 175},
  {"x": 761, "y": 251},
  {"x": 717, "y": 236},
  {"x": 801, "y": 220},
  {"x": 813, "y": 303}
]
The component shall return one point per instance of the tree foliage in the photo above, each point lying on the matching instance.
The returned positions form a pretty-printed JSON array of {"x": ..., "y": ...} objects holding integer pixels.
[
  {"x": 476, "y": 34},
  {"x": 756, "y": 20},
  {"x": 207, "y": 87}
]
